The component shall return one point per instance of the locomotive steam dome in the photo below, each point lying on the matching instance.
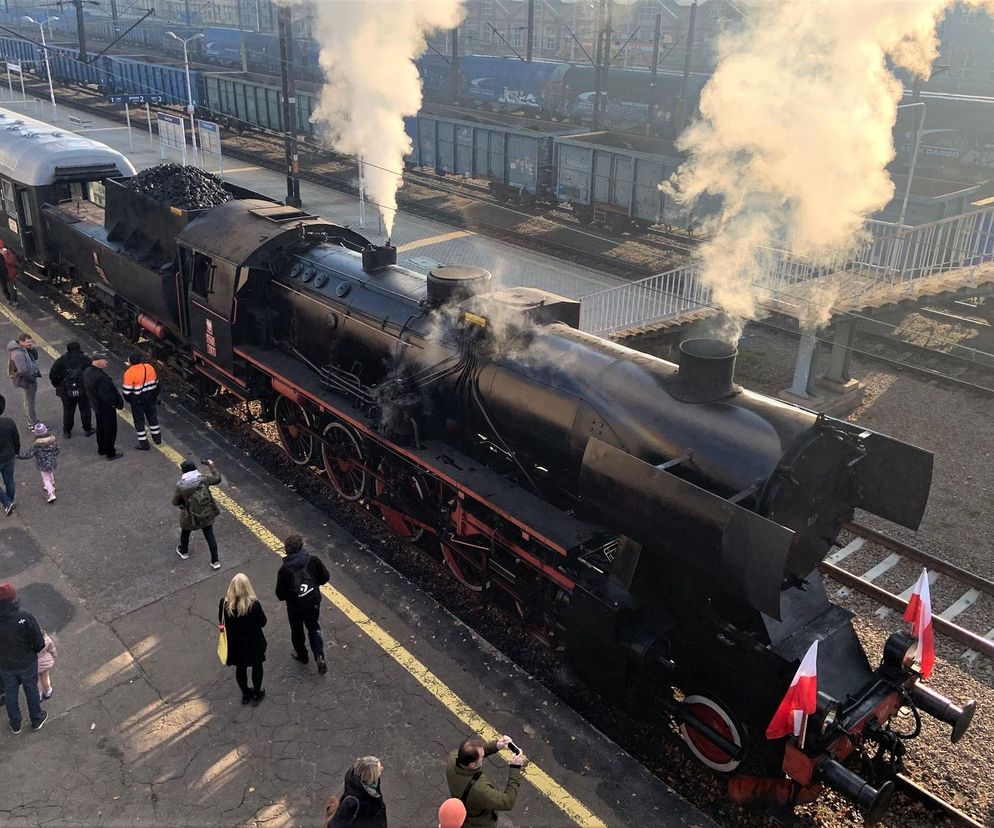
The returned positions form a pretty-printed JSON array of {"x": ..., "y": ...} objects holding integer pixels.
[
  {"x": 455, "y": 282},
  {"x": 706, "y": 370}
]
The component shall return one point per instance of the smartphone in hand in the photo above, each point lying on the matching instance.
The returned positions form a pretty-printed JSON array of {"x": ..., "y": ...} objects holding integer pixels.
[{"x": 513, "y": 748}]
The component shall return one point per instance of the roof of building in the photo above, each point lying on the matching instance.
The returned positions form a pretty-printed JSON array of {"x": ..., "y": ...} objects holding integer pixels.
[{"x": 33, "y": 152}]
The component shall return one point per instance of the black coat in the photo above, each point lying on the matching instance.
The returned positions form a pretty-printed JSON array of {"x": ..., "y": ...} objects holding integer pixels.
[
  {"x": 372, "y": 809},
  {"x": 246, "y": 641},
  {"x": 10, "y": 440},
  {"x": 21, "y": 638},
  {"x": 101, "y": 391},
  {"x": 62, "y": 366},
  {"x": 284, "y": 578}
]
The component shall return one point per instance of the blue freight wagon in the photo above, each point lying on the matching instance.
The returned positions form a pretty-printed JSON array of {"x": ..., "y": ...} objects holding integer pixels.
[
  {"x": 614, "y": 179},
  {"x": 517, "y": 163},
  {"x": 15, "y": 50},
  {"x": 137, "y": 76},
  {"x": 244, "y": 100}
]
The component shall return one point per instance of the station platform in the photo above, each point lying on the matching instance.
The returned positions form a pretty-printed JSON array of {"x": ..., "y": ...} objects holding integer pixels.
[
  {"x": 146, "y": 727},
  {"x": 421, "y": 244}
]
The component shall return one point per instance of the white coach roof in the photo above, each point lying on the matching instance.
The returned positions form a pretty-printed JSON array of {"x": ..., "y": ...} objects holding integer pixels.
[{"x": 31, "y": 151}]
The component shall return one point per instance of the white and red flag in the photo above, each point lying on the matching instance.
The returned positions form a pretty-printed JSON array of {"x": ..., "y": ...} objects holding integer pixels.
[
  {"x": 801, "y": 699},
  {"x": 919, "y": 613}
]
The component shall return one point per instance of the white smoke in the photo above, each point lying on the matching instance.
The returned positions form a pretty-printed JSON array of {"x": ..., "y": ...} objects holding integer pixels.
[
  {"x": 368, "y": 49},
  {"x": 796, "y": 132}
]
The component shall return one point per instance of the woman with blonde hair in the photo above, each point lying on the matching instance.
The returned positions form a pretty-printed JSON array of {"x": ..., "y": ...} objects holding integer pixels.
[
  {"x": 243, "y": 618},
  {"x": 362, "y": 786}
]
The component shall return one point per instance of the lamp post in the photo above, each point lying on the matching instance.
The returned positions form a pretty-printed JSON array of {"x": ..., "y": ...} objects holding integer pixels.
[
  {"x": 189, "y": 88},
  {"x": 919, "y": 123},
  {"x": 44, "y": 48}
]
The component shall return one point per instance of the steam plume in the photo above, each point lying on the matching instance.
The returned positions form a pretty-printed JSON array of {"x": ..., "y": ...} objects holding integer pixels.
[
  {"x": 368, "y": 48},
  {"x": 795, "y": 135}
]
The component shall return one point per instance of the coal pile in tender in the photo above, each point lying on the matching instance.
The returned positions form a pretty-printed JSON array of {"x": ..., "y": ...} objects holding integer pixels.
[{"x": 188, "y": 188}]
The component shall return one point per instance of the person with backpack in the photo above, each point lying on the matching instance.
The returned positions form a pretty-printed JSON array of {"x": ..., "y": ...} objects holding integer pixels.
[
  {"x": 141, "y": 390},
  {"x": 106, "y": 401},
  {"x": 66, "y": 377},
  {"x": 298, "y": 583},
  {"x": 197, "y": 509},
  {"x": 22, "y": 368},
  {"x": 470, "y": 785}
]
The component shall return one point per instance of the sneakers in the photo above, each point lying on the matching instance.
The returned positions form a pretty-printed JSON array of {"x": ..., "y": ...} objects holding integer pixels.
[
  {"x": 322, "y": 665},
  {"x": 48, "y": 694},
  {"x": 14, "y": 730},
  {"x": 51, "y": 497},
  {"x": 8, "y": 508},
  {"x": 88, "y": 432},
  {"x": 258, "y": 698},
  {"x": 115, "y": 456},
  {"x": 303, "y": 659},
  {"x": 41, "y": 722},
  {"x": 215, "y": 564},
  {"x": 182, "y": 554}
]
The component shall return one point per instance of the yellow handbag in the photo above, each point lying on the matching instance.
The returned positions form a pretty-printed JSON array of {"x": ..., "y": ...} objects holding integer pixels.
[
  {"x": 222, "y": 645},
  {"x": 222, "y": 636}
]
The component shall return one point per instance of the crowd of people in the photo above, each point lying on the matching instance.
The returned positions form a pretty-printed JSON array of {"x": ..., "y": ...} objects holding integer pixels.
[{"x": 27, "y": 653}]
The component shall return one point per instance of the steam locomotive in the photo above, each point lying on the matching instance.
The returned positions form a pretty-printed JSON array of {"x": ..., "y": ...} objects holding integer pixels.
[{"x": 659, "y": 523}]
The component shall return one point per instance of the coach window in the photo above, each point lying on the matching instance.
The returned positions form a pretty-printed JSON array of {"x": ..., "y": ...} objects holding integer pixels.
[
  {"x": 98, "y": 193},
  {"x": 9, "y": 205},
  {"x": 26, "y": 207}
]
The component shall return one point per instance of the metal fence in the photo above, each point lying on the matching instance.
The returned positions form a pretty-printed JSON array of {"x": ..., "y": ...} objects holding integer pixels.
[{"x": 891, "y": 254}]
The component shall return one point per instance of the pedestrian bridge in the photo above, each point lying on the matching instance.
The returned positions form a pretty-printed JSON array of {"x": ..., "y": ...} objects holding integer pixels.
[{"x": 897, "y": 264}]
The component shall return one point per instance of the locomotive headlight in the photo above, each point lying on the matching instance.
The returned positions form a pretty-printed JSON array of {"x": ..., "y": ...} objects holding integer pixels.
[{"x": 899, "y": 651}]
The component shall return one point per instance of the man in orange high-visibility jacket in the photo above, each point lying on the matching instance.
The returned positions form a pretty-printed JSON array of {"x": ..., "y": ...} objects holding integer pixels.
[{"x": 141, "y": 391}]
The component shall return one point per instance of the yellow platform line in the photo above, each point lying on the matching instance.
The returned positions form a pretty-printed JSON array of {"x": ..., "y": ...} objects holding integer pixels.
[
  {"x": 545, "y": 784},
  {"x": 443, "y": 237}
]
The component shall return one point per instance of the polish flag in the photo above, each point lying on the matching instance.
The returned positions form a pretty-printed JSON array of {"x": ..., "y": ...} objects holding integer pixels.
[
  {"x": 801, "y": 699},
  {"x": 919, "y": 613}
]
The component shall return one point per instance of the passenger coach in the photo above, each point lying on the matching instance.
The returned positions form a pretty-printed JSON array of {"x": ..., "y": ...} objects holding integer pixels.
[{"x": 44, "y": 164}]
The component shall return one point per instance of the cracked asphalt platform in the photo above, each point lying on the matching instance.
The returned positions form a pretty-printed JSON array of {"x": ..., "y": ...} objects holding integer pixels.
[{"x": 147, "y": 728}]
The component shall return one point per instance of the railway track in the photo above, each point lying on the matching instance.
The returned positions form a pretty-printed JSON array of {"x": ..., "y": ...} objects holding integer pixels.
[
  {"x": 946, "y": 809},
  {"x": 876, "y": 564}
]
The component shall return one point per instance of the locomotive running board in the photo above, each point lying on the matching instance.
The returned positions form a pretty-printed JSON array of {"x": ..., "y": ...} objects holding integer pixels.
[
  {"x": 744, "y": 553},
  {"x": 893, "y": 478}
]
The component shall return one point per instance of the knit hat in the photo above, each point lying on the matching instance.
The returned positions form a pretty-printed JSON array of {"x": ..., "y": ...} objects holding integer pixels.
[
  {"x": 187, "y": 466},
  {"x": 7, "y": 592},
  {"x": 40, "y": 429},
  {"x": 73, "y": 346},
  {"x": 452, "y": 814}
]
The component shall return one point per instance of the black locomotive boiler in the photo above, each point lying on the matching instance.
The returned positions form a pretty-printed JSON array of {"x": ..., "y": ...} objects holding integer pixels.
[{"x": 658, "y": 522}]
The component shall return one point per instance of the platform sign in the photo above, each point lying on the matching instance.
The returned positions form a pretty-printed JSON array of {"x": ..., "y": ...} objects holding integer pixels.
[
  {"x": 209, "y": 135},
  {"x": 14, "y": 67},
  {"x": 135, "y": 100},
  {"x": 172, "y": 134}
]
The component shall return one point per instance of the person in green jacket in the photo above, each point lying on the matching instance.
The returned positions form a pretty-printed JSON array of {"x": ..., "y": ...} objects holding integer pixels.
[
  {"x": 197, "y": 509},
  {"x": 468, "y": 783}
]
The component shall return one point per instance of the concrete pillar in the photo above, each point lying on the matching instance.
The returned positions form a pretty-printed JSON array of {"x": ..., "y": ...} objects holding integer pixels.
[
  {"x": 804, "y": 379},
  {"x": 841, "y": 356}
]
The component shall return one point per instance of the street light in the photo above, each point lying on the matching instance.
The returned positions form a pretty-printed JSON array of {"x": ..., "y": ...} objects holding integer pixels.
[
  {"x": 189, "y": 89},
  {"x": 44, "y": 48}
]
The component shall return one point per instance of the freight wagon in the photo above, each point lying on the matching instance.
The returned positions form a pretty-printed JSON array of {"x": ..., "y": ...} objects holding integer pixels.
[
  {"x": 614, "y": 179},
  {"x": 242, "y": 100},
  {"x": 518, "y": 164}
]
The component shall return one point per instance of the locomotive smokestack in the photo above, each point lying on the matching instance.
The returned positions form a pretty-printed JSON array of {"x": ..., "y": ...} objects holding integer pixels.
[
  {"x": 706, "y": 370},
  {"x": 377, "y": 258}
]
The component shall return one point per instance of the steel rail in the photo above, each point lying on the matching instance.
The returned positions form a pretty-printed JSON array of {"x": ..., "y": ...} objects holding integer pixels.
[
  {"x": 984, "y": 646},
  {"x": 916, "y": 791},
  {"x": 932, "y": 562}
]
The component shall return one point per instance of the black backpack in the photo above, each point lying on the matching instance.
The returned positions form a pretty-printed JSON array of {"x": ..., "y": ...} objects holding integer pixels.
[
  {"x": 72, "y": 387},
  {"x": 304, "y": 588}
]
